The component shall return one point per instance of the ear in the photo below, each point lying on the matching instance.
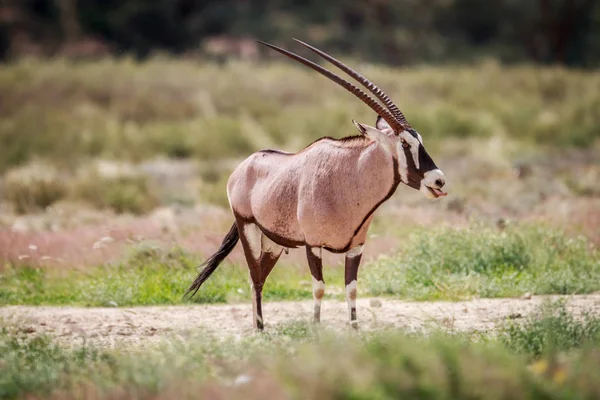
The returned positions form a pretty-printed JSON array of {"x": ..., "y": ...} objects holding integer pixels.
[
  {"x": 371, "y": 132},
  {"x": 383, "y": 126}
]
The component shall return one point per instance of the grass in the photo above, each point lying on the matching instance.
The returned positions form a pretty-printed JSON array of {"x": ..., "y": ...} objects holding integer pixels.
[
  {"x": 295, "y": 362},
  {"x": 149, "y": 277},
  {"x": 486, "y": 262},
  {"x": 478, "y": 121},
  {"x": 66, "y": 112},
  {"x": 34, "y": 187},
  {"x": 552, "y": 328},
  {"x": 131, "y": 194},
  {"x": 444, "y": 264}
]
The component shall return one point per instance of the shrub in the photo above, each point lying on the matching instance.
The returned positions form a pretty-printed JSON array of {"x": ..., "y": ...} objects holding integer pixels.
[
  {"x": 551, "y": 328},
  {"x": 33, "y": 188},
  {"x": 213, "y": 187},
  {"x": 63, "y": 111},
  {"x": 486, "y": 262},
  {"x": 385, "y": 365},
  {"x": 122, "y": 194}
]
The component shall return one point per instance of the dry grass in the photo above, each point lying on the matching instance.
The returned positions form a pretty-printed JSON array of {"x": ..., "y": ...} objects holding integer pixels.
[
  {"x": 482, "y": 123},
  {"x": 127, "y": 110},
  {"x": 34, "y": 187}
]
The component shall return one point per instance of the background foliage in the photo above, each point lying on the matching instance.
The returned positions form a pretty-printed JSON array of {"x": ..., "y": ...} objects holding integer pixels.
[{"x": 397, "y": 32}]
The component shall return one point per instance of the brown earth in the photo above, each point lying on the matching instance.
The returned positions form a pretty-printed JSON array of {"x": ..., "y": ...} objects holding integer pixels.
[{"x": 143, "y": 326}]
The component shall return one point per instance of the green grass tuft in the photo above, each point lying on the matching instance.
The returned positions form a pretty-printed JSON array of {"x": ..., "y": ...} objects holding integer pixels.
[
  {"x": 150, "y": 276},
  {"x": 479, "y": 261},
  {"x": 122, "y": 194},
  {"x": 552, "y": 328},
  {"x": 33, "y": 188}
]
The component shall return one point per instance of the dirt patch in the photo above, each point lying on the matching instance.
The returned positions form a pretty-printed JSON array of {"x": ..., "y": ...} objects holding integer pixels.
[{"x": 143, "y": 326}]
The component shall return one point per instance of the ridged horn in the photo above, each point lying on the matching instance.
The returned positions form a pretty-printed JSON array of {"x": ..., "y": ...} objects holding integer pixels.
[
  {"x": 363, "y": 81},
  {"x": 368, "y": 100}
]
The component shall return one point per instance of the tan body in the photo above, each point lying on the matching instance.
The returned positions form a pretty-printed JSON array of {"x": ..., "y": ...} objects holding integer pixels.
[{"x": 305, "y": 199}]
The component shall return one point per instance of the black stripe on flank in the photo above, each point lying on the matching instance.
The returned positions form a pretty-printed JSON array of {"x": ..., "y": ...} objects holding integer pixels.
[
  {"x": 390, "y": 193},
  {"x": 280, "y": 240}
]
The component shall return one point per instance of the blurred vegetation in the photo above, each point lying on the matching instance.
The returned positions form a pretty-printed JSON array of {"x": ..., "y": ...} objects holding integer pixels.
[
  {"x": 444, "y": 264},
  {"x": 294, "y": 361},
  {"x": 551, "y": 329},
  {"x": 398, "y": 32},
  {"x": 122, "y": 194},
  {"x": 67, "y": 112},
  {"x": 33, "y": 187}
]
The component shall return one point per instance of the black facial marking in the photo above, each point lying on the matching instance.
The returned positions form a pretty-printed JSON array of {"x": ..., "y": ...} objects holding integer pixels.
[
  {"x": 413, "y": 174},
  {"x": 390, "y": 193},
  {"x": 425, "y": 161}
]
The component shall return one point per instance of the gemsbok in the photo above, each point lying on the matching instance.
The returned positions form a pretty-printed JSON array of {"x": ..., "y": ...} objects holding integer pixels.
[{"x": 324, "y": 196}]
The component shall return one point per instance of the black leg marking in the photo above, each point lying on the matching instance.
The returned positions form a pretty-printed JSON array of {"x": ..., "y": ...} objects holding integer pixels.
[
  {"x": 315, "y": 264},
  {"x": 353, "y": 258}
]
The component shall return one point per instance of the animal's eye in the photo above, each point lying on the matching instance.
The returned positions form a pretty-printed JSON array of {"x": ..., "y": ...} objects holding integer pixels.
[{"x": 405, "y": 144}]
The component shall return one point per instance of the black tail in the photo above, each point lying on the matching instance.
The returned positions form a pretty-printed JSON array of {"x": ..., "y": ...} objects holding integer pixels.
[{"x": 213, "y": 262}]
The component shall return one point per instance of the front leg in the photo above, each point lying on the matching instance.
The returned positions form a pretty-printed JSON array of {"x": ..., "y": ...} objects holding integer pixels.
[
  {"x": 316, "y": 270},
  {"x": 351, "y": 275}
]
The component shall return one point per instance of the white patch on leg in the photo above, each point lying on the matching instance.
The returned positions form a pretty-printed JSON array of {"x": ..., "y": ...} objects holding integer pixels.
[
  {"x": 316, "y": 252},
  {"x": 269, "y": 246},
  {"x": 318, "y": 293},
  {"x": 318, "y": 290},
  {"x": 356, "y": 251},
  {"x": 252, "y": 233},
  {"x": 351, "y": 294}
]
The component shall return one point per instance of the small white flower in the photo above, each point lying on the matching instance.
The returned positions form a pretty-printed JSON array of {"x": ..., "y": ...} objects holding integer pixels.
[{"x": 33, "y": 247}]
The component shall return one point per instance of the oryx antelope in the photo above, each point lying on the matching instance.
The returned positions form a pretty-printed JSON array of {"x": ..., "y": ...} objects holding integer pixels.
[{"x": 323, "y": 197}]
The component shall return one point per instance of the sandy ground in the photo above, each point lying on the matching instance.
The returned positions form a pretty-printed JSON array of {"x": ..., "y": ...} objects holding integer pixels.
[{"x": 143, "y": 326}]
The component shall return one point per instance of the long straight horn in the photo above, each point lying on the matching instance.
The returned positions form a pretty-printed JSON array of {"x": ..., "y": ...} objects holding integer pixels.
[
  {"x": 364, "y": 81},
  {"x": 375, "y": 106}
]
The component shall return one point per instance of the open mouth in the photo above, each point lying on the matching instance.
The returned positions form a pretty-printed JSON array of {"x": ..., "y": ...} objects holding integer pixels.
[{"x": 437, "y": 192}]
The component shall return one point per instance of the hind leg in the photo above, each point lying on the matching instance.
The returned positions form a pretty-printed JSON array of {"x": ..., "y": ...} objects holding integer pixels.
[
  {"x": 270, "y": 253},
  {"x": 261, "y": 255}
]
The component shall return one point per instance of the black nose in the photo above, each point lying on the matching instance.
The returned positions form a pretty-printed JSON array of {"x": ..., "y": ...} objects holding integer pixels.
[{"x": 440, "y": 183}]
